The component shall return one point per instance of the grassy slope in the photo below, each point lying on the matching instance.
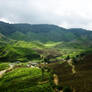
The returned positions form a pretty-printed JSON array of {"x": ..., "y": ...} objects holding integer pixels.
[
  {"x": 24, "y": 80},
  {"x": 21, "y": 48},
  {"x": 22, "y": 51},
  {"x": 26, "y": 51},
  {"x": 4, "y": 66}
]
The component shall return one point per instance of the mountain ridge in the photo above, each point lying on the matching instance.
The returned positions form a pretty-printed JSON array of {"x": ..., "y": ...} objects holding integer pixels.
[{"x": 43, "y": 32}]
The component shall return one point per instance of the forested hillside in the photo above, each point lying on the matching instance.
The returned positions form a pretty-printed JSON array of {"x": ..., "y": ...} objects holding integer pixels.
[{"x": 43, "y": 32}]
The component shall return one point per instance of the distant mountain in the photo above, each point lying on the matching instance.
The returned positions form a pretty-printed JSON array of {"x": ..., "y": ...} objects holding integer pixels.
[{"x": 43, "y": 32}]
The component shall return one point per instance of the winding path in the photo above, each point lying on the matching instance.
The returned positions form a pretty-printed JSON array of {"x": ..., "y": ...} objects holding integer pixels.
[
  {"x": 2, "y": 73},
  {"x": 73, "y": 67},
  {"x": 56, "y": 80},
  {"x": 11, "y": 66}
]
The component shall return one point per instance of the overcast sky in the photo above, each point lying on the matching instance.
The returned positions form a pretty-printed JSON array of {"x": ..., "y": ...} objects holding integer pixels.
[{"x": 65, "y": 13}]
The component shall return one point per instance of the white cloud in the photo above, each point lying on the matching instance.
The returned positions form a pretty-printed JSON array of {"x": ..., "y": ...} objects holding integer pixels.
[
  {"x": 5, "y": 20},
  {"x": 66, "y": 13}
]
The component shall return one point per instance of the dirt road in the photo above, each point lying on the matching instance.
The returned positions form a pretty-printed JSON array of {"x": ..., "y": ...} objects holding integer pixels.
[
  {"x": 4, "y": 71},
  {"x": 73, "y": 67}
]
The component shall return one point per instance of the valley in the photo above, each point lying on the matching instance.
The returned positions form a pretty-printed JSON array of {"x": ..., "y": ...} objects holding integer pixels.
[{"x": 45, "y": 57}]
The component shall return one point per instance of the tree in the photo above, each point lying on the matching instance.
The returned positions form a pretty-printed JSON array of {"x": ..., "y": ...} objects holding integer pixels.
[{"x": 67, "y": 58}]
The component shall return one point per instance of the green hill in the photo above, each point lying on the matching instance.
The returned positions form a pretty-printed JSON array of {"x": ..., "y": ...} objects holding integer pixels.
[{"x": 43, "y": 32}]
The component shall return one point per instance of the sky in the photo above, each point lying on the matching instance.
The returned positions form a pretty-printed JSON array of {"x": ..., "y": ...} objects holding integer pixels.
[{"x": 65, "y": 13}]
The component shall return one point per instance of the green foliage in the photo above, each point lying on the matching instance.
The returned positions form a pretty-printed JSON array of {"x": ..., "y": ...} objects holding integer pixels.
[
  {"x": 24, "y": 79},
  {"x": 12, "y": 53},
  {"x": 4, "y": 66}
]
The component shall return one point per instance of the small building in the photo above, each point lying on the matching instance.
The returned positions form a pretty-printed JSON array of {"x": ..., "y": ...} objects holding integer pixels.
[
  {"x": 17, "y": 62},
  {"x": 32, "y": 63}
]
